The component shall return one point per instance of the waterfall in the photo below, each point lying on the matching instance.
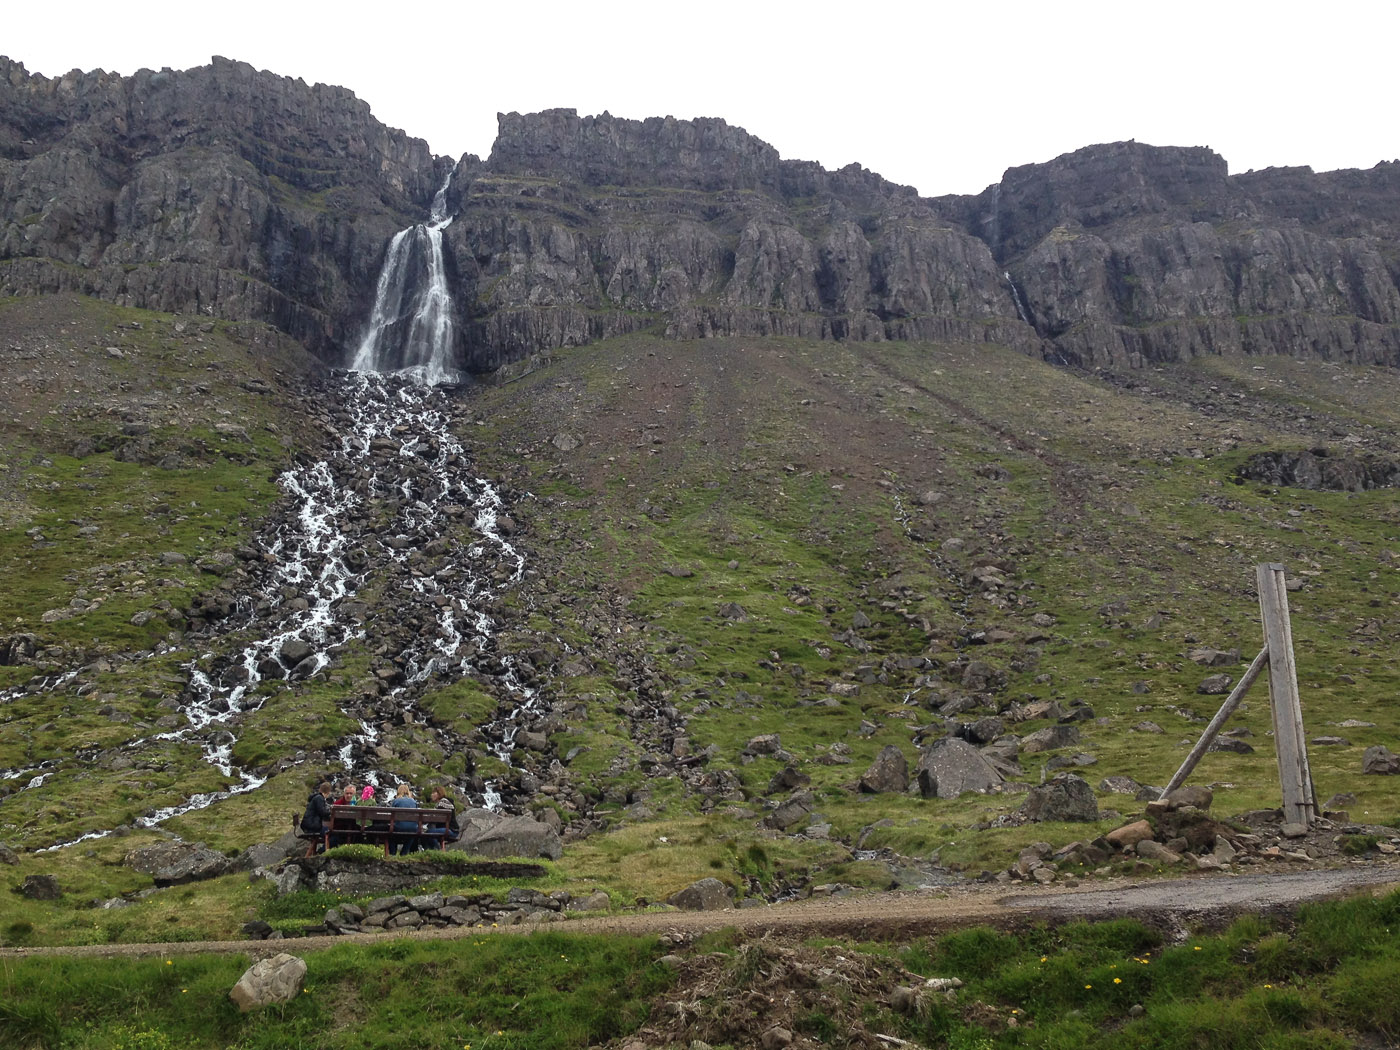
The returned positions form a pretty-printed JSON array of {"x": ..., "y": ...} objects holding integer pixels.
[
  {"x": 1016, "y": 298},
  {"x": 410, "y": 328}
]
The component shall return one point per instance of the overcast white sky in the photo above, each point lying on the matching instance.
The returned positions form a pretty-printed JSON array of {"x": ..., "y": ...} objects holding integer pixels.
[{"x": 941, "y": 96}]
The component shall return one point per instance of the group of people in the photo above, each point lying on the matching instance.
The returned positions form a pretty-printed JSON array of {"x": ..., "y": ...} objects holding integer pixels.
[{"x": 404, "y": 836}]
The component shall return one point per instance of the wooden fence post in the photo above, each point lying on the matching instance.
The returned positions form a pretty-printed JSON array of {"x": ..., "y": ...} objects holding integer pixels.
[
  {"x": 1299, "y": 805},
  {"x": 1226, "y": 710}
]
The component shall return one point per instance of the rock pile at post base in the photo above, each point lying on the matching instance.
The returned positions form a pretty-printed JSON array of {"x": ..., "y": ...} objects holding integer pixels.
[{"x": 1179, "y": 831}]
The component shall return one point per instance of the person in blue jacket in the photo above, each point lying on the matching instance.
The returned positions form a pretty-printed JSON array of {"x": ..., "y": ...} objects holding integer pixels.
[{"x": 405, "y": 838}]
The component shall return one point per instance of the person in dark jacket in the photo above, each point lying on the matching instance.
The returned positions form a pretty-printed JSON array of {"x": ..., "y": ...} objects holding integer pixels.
[
  {"x": 438, "y": 798},
  {"x": 318, "y": 810}
]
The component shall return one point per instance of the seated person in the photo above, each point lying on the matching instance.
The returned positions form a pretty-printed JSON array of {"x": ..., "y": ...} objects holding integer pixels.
[
  {"x": 317, "y": 817},
  {"x": 448, "y": 831},
  {"x": 345, "y": 798},
  {"x": 405, "y": 839}
]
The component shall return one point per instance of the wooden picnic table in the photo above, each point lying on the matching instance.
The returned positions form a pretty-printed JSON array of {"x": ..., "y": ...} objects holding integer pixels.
[{"x": 376, "y": 824}]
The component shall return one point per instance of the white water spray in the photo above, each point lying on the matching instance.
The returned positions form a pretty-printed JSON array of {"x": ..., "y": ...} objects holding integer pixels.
[{"x": 410, "y": 329}]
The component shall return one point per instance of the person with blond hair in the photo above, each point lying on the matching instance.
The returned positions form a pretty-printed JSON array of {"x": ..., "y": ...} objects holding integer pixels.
[{"x": 405, "y": 838}]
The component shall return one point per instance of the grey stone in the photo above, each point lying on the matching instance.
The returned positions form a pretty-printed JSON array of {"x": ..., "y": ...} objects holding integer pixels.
[
  {"x": 708, "y": 894},
  {"x": 1191, "y": 795},
  {"x": 275, "y": 980},
  {"x": 1215, "y": 685},
  {"x": 294, "y": 650},
  {"x": 7, "y": 855},
  {"x": 175, "y": 863},
  {"x": 792, "y": 812},
  {"x": 1049, "y": 739},
  {"x": 1120, "y": 785},
  {"x": 1148, "y": 849},
  {"x": 1214, "y": 657},
  {"x": 1063, "y": 797},
  {"x": 889, "y": 772},
  {"x": 1380, "y": 761},
  {"x": 766, "y": 744},
  {"x": 40, "y": 888},
  {"x": 1231, "y": 744},
  {"x": 984, "y": 730},
  {"x": 950, "y": 766},
  {"x": 595, "y": 901},
  {"x": 489, "y": 834}
]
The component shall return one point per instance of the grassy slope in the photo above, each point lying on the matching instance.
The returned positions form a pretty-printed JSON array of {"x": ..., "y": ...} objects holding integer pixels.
[
  {"x": 810, "y": 483},
  {"x": 1322, "y": 980}
]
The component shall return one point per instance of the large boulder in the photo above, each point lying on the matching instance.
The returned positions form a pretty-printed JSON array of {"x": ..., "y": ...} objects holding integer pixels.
[
  {"x": 174, "y": 863},
  {"x": 791, "y": 812},
  {"x": 706, "y": 895},
  {"x": 266, "y": 854},
  {"x": 40, "y": 888},
  {"x": 950, "y": 766},
  {"x": 275, "y": 980},
  {"x": 1380, "y": 760},
  {"x": 889, "y": 772},
  {"x": 489, "y": 834},
  {"x": 1063, "y": 797}
]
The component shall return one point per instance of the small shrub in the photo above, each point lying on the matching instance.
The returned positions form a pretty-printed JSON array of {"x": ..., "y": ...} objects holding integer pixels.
[{"x": 1356, "y": 845}]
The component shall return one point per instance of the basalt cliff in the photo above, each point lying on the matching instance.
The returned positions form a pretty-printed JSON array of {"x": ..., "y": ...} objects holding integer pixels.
[{"x": 239, "y": 194}]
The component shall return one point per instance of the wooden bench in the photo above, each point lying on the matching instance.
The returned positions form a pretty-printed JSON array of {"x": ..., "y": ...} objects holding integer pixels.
[{"x": 376, "y": 824}]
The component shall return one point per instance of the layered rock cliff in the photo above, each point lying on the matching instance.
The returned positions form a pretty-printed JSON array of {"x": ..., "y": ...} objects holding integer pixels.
[
  {"x": 1127, "y": 253},
  {"x": 240, "y": 194},
  {"x": 219, "y": 190}
]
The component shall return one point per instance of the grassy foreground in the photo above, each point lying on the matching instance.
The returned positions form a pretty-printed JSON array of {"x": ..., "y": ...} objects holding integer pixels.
[{"x": 1323, "y": 979}]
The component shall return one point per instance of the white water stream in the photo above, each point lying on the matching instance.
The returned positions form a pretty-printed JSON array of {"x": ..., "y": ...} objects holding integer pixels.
[{"x": 395, "y": 416}]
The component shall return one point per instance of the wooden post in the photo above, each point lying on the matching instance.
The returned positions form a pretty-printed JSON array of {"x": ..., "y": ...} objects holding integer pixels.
[
  {"x": 1299, "y": 805},
  {"x": 1226, "y": 710}
]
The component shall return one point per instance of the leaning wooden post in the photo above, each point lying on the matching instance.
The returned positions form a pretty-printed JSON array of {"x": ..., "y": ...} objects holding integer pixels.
[
  {"x": 1299, "y": 806},
  {"x": 1226, "y": 710}
]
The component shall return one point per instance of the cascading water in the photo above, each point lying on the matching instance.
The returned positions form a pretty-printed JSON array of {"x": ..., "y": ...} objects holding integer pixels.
[
  {"x": 397, "y": 451},
  {"x": 1016, "y": 297},
  {"x": 410, "y": 329}
]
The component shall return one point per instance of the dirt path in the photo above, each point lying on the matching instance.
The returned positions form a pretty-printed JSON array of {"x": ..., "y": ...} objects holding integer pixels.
[{"x": 1167, "y": 902}]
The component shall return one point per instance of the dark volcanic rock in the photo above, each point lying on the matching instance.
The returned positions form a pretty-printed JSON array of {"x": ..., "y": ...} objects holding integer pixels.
[
  {"x": 950, "y": 766},
  {"x": 889, "y": 772},
  {"x": 1317, "y": 469},
  {"x": 1063, "y": 797}
]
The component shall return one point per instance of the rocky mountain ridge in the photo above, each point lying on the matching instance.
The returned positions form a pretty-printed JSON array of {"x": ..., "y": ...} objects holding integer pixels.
[{"x": 239, "y": 194}]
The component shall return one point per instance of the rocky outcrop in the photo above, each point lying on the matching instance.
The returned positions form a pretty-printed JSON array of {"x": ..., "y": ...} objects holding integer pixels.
[
  {"x": 1126, "y": 254},
  {"x": 243, "y": 195},
  {"x": 1319, "y": 469},
  {"x": 219, "y": 190}
]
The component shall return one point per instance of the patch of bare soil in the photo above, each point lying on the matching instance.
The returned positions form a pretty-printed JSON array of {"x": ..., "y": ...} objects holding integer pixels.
[{"x": 889, "y": 916}]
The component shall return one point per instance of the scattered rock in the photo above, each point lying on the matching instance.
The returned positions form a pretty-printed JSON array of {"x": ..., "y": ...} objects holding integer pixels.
[
  {"x": 1130, "y": 834},
  {"x": 1214, "y": 657},
  {"x": 1150, "y": 849},
  {"x": 950, "y": 766},
  {"x": 889, "y": 772},
  {"x": 1215, "y": 685},
  {"x": 40, "y": 888},
  {"x": 1190, "y": 795},
  {"x": 1380, "y": 761},
  {"x": 7, "y": 855},
  {"x": 275, "y": 980},
  {"x": 708, "y": 894},
  {"x": 1064, "y": 797},
  {"x": 175, "y": 863},
  {"x": 1049, "y": 739}
]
